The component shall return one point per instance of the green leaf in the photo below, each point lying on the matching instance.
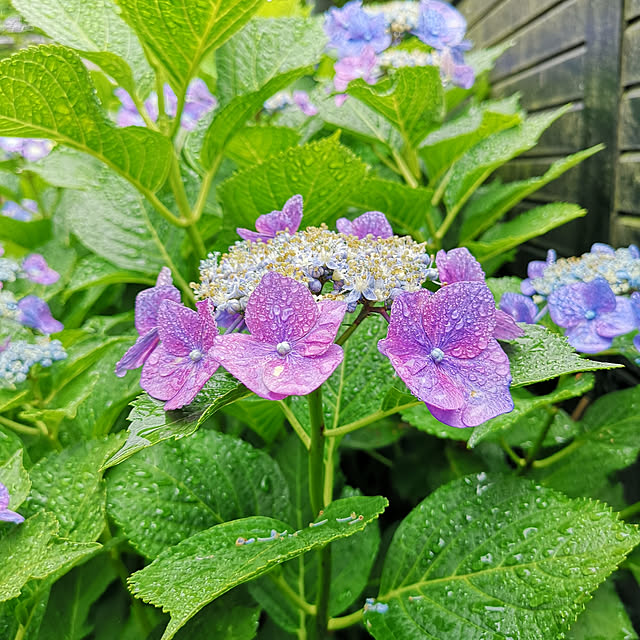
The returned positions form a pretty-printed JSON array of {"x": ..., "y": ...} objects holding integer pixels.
[
  {"x": 608, "y": 443},
  {"x": 264, "y": 417},
  {"x": 25, "y": 234},
  {"x": 493, "y": 556},
  {"x": 254, "y": 145},
  {"x": 406, "y": 208},
  {"x": 447, "y": 144},
  {"x": 531, "y": 224},
  {"x": 69, "y": 485},
  {"x": 605, "y": 618},
  {"x": 15, "y": 478},
  {"x": 477, "y": 164},
  {"x": 526, "y": 403},
  {"x": 151, "y": 424},
  {"x": 92, "y": 27},
  {"x": 411, "y": 99},
  {"x": 541, "y": 355},
  {"x": 200, "y": 481},
  {"x": 487, "y": 207},
  {"x": 324, "y": 173},
  {"x": 31, "y": 550},
  {"x": 93, "y": 271},
  {"x": 185, "y": 578},
  {"x": 420, "y": 417},
  {"x": 46, "y": 92},
  {"x": 180, "y": 34}
]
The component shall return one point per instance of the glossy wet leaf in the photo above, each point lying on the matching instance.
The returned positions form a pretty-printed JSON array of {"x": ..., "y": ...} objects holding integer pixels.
[
  {"x": 15, "y": 478},
  {"x": 185, "y": 578},
  {"x": 323, "y": 172},
  {"x": 411, "y": 99},
  {"x": 420, "y": 418},
  {"x": 167, "y": 493},
  {"x": 489, "y": 556},
  {"x": 541, "y": 355},
  {"x": 150, "y": 423},
  {"x": 253, "y": 145},
  {"x": 94, "y": 271},
  {"x": 46, "y": 92},
  {"x": 526, "y": 403}
]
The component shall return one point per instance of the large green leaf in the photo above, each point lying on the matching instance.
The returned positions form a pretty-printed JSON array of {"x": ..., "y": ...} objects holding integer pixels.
[
  {"x": 185, "y": 578},
  {"x": 492, "y": 556},
  {"x": 526, "y": 403},
  {"x": 170, "y": 492},
  {"x": 420, "y": 417},
  {"x": 93, "y": 271},
  {"x": 93, "y": 27},
  {"x": 486, "y": 208},
  {"x": 531, "y": 224},
  {"x": 477, "y": 164},
  {"x": 411, "y": 99},
  {"x": 253, "y": 145},
  {"x": 178, "y": 34},
  {"x": 46, "y": 92},
  {"x": 609, "y": 442},
  {"x": 541, "y": 355},
  {"x": 323, "y": 172},
  {"x": 15, "y": 478},
  {"x": 151, "y": 424}
]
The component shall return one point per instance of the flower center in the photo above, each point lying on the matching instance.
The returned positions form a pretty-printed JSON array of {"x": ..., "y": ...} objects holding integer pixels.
[
  {"x": 437, "y": 354},
  {"x": 196, "y": 355},
  {"x": 590, "y": 314},
  {"x": 283, "y": 348}
]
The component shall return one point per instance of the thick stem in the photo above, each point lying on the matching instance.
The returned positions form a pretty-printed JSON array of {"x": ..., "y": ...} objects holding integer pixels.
[
  {"x": 345, "y": 621},
  {"x": 291, "y": 595},
  {"x": 364, "y": 312},
  {"x": 367, "y": 420},
  {"x": 20, "y": 428},
  {"x": 553, "y": 458},
  {"x": 405, "y": 171},
  {"x": 295, "y": 424},
  {"x": 533, "y": 452},
  {"x": 630, "y": 511},
  {"x": 196, "y": 241},
  {"x": 324, "y": 584}
]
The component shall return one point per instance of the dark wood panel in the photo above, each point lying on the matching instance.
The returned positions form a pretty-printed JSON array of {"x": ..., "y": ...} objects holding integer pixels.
[
  {"x": 630, "y": 120},
  {"x": 632, "y": 9},
  {"x": 473, "y": 10},
  {"x": 556, "y": 31},
  {"x": 628, "y": 183},
  {"x": 626, "y": 231},
  {"x": 631, "y": 56},
  {"x": 553, "y": 82},
  {"x": 506, "y": 18}
]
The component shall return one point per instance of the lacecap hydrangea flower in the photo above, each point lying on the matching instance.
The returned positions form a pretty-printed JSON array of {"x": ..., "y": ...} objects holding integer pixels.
[{"x": 5, "y": 514}]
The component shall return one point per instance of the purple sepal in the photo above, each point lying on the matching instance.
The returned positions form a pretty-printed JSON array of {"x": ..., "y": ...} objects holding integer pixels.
[
  {"x": 291, "y": 348},
  {"x": 601, "y": 247},
  {"x": 535, "y": 269},
  {"x": 362, "y": 66},
  {"x": 268, "y": 224},
  {"x": 506, "y": 327},
  {"x": 137, "y": 354},
  {"x": 35, "y": 313},
  {"x": 5, "y": 514},
  {"x": 520, "y": 308},
  {"x": 440, "y": 25},
  {"x": 178, "y": 368},
  {"x": 37, "y": 270},
  {"x": 458, "y": 265},
  {"x": 301, "y": 98},
  {"x": 372, "y": 223}
]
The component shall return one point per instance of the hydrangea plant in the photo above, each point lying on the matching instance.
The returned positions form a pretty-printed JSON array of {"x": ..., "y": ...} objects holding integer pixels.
[{"x": 284, "y": 396}]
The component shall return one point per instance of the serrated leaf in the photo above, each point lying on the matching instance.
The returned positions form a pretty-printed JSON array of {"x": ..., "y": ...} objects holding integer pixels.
[
  {"x": 323, "y": 172},
  {"x": 94, "y": 271},
  {"x": 486, "y": 208},
  {"x": 449, "y": 142},
  {"x": 180, "y": 34},
  {"x": 477, "y": 164},
  {"x": 93, "y": 27},
  {"x": 46, "y": 92},
  {"x": 526, "y": 403},
  {"x": 253, "y": 145},
  {"x": 530, "y": 224},
  {"x": 420, "y": 417},
  {"x": 609, "y": 442},
  {"x": 541, "y": 355},
  {"x": 489, "y": 556},
  {"x": 411, "y": 99},
  {"x": 15, "y": 478},
  {"x": 151, "y": 424},
  {"x": 69, "y": 485},
  {"x": 170, "y": 492},
  {"x": 182, "y": 579}
]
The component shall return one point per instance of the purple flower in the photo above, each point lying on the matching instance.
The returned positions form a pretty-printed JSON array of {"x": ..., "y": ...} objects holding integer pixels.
[
  {"x": 372, "y": 223},
  {"x": 31, "y": 149},
  {"x": 442, "y": 346},
  {"x": 269, "y": 224},
  {"x": 535, "y": 269},
  {"x": 453, "y": 68},
  {"x": 199, "y": 102},
  {"x": 182, "y": 363},
  {"x": 520, "y": 308},
  {"x": 363, "y": 65},
  {"x": 147, "y": 305},
  {"x": 301, "y": 98},
  {"x": 440, "y": 25},
  {"x": 35, "y": 313},
  {"x": 37, "y": 270},
  {"x": 601, "y": 247},
  {"x": 24, "y": 212},
  {"x": 635, "y": 305},
  {"x": 5, "y": 514},
  {"x": 351, "y": 29},
  {"x": 591, "y": 313},
  {"x": 291, "y": 348}
]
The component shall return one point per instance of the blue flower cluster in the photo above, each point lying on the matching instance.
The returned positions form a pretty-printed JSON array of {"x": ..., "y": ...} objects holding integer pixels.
[
  {"x": 588, "y": 296},
  {"x": 18, "y": 356}
]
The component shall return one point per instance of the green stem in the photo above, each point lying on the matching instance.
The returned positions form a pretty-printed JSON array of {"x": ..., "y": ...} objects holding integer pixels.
[
  {"x": 403, "y": 167},
  {"x": 364, "y": 312},
  {"x": 631, "y": 510},
  {"x": 553, "y": 458},
  {"x": 205, "y": 187},
  {"x": 179, "y": 193},
  {"x": 142, "y": 110},
  {"x": 196, "y": 242},
  {"x": 518, "y": 461},
  {"x": 295, "y": 424},
  {"x": 367, "y": 420},
  {"x": 20, "y": 428},
  {"x": 533, "y": 452},
  {"x": 324, "y": 584},
  {"x": 447, "y": 222},
  {"x": 345, "y": 621},
  {"x": 175, "y": 127},
  {"x": 316, "y": 451},
  {"x": 162, "y": 209},
  {"x": 291, "y": 595}
]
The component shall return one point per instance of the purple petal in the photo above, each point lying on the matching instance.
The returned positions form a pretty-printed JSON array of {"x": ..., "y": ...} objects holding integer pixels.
[
  {"x": 506, "y": 327},
  {"x": 584, "y": 337},
  {"x": 350, "y": 68},
  {"x": 35, "y": 313},
  {"x": 618, "y": 322},
  {"x": 350, "y": 29},
  {"x": 37, "y": 270},
  {"x": 148, "y": 303},
  {"x": 164, "y": 278},
  {"x": 183, "y": 330},
  {"x": 601, "y": 247},
  {"x": 572, "y": 304},
  {"x": 252, "y": 236},
  {"x": 280, "y": 309},
  {"x": 520, "y": 308},
  {"x": 4, "y": 497},
  {"x": 137, "y": 354},
  {"x": 11, "y": 516},
  {"x": 244, "y": 357},
  {"x": 440, "y": 25},
  {"x": 344, "y": 225},
  {"x": 269, "y": 224},
  {"x": 319, "y": 339},
  {"x": 458, "y": 265},
  {"x": 372, "y": 223},
  {"x": 301, "y": 98}
]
